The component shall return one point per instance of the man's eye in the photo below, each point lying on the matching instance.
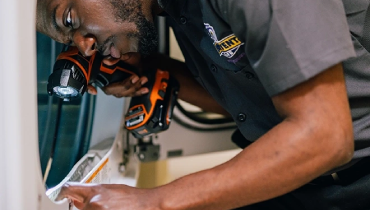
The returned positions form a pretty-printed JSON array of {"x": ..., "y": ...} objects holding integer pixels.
[{"x": 69, "y": 20}]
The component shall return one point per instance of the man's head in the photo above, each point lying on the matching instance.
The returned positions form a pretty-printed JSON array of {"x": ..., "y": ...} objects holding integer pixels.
[{"x": 114, "y": 27}]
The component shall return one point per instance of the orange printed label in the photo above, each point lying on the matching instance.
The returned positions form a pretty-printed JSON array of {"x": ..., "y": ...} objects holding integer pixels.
[{"x": 97, "y": 171}]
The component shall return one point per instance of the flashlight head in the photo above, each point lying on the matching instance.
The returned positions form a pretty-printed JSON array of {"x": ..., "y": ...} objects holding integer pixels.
[
  {"x": 66, "y": 91},
  {"x": 67, "y": 80}
]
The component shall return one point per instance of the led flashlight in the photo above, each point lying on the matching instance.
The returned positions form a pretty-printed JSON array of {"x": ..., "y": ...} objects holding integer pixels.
[
  {"x": 72, "y": 72},
  {"x": 67, "y": 80}
]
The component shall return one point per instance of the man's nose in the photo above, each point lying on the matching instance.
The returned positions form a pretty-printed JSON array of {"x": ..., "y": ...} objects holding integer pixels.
[{"x": 85, "y": 44}]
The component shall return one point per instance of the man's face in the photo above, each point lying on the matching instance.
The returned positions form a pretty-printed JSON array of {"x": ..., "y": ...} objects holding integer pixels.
[{"x": 114, "y": 27}]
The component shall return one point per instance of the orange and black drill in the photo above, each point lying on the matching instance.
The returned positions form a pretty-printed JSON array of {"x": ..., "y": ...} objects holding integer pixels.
[{"x": 147, "y": 114}]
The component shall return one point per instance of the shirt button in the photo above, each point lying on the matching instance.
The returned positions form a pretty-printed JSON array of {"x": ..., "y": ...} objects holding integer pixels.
[
  {"x": 242, "y": 117},
  {"x": 183, "y": 20},
  {"x": 213, "y": 68},
  {"x": 249, "y": 75}
]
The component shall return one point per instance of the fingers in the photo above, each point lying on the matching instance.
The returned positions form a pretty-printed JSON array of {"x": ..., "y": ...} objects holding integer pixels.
[
  {"x": 91, "y": 90},
  {"x": 132, "y": 86},
  {"x": 79, "y": 194}
]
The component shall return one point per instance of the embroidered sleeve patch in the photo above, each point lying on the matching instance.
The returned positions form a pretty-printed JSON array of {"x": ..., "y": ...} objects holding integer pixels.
[{"x": 227, "y": 46}]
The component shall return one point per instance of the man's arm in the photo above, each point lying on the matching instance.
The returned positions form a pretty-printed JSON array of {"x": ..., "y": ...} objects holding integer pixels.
[{"x": 314, "y": 137}]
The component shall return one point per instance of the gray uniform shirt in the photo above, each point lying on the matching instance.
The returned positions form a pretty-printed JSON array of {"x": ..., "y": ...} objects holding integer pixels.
[{"x": 246, "y": 51}]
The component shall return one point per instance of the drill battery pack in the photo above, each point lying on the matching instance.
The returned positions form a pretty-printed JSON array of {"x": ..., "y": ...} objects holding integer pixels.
[{"x": 152, "y": 113}]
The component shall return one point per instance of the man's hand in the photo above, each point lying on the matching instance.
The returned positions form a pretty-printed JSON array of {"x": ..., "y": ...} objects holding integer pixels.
[
  {"x": 132, "y": 86},
  {"x": 112, "y": 197}
]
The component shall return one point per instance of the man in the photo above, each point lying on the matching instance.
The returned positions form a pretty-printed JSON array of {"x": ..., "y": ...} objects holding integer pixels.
[{"x": 274, "y": 66}]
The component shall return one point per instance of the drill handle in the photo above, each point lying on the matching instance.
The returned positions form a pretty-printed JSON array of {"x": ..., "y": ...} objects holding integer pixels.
[{"x": 110, "y": 74}]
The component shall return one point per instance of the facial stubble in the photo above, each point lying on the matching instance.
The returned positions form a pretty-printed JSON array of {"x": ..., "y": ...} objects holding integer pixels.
[{"x": 131, "y": 11}]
